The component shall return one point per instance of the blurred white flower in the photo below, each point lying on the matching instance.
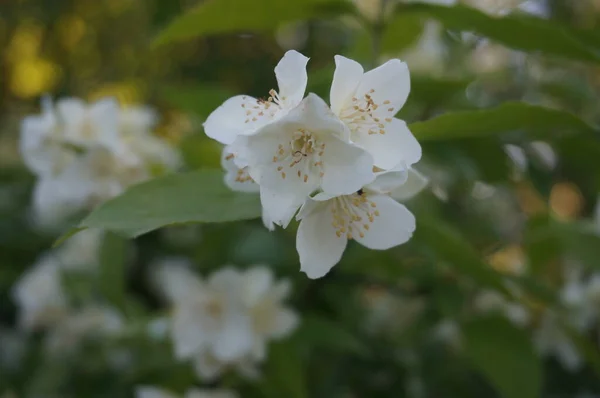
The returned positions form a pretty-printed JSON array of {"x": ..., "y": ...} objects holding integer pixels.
[
  {"x": 550, "y": 339},
  {"x": 305, "y": 150},
  {"x": 227, "y": 320},
  {"x": 84, "y": 154},
  {"x": 155, "y": 392},
  {"x": 88, "y": 322},
  {"x": 492, "y": 301},
  {"x": 367, "y": 103},
  {"x": 89, "y": 126},
  {"x": 243, "y": 114},
  {"x": 82, "y": 251},
  {"x": 39, "y": 296},
  {"x": 370, "y": 216},
  {"x": 494, "y": 7},
  {"x": 41, "y": 143}
]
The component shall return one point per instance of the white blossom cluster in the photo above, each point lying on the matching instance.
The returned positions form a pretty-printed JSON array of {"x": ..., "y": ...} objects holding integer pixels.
[
  {"x": 225, "y": 321},
  {"x": 43, "y": 303},
  {"x": 83, "y": 154},
  {"x": 338, "y": 169},
  {"x": 153, "y": 392},
  {"x": 579, "y": 298}
]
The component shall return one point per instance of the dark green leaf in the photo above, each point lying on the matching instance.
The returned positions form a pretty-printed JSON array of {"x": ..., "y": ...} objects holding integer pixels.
[
  {"x": 285, "y": 373},
  {"x": 510, "y": 116},
  {"x": 517, "y": 31},
  {"x": 319, "y": 332},
  {"x": 450, "y": 246},
  {"x": 113, "y": 258},
  {"x": 505, "y": 356},
  {"x": 401, "y": 32},
  {"x": 193, "y": 197},
  {"x": 198, "y": 99},
  {"x": 222, "y": 16}
]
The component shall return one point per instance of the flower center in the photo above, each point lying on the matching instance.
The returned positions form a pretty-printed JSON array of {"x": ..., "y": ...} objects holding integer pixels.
[
  {"x": 259, "y": 108},
  {"x": 353, "y": 214},
  {"x": 360, "y": 114},
  {"x": 304, "y": 153},
  {"x": 242, "y": 174}
]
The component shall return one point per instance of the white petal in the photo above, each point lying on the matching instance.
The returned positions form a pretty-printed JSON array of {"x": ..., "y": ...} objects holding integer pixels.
[
  {"x": 257, "y": 282},
  {"x": 396, "y": 146},
  {"x": 270, "y": 225},
  {"x": 207, "y": 367},
  {"x": 390, "y": 82},
  {"x": 292, "y": 77},
  {"x": 235, "y": 339},
  {"x": 346, "y": 168},
  {"x": 188, "y": 332},
  {"x": 152, "y": 392},
  {"x": 228, "y": 121},
  {"x": 394, "y": 225},
  {"x": 414, "y": 184},
  {"x": 285, "y": 322},
  {"x": 345, "y": 81},
  {"x": 313, "y": 114},
  {"x": 175, "y": 280},
  {"x": 235, "y": 178},
  {"x": 71, "y": 110},
  {"x": 387, "y": 181},
  {"x": 318, "y": 245},
  {"x": 104, "y": 115},
  {"x": 279, "y": 207},
  {"x": 226, "y": 279}
]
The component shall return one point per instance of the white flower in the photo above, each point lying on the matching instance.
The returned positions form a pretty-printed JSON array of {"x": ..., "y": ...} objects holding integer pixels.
[
  {"x": 491, "y": 301},
  {"x": 154, "y": 392},
  {"x": 370, "y": 216},
  {"x": 41, "y": 145},
  {"x": 244, "y": 114},
  {"x": 227, "y": 320},
  {"x": 81, "y": 252},
  {"x": 39, "y": 295},
  {"x": 89, "y": 322},
  {"x": 550, "y": 339},
  {"x": 305, "y": 150},
  {"x": 89, "y": 126},
  {"x": 209, "y": 368},
  {"x": 263, "y": 298},
  {"x": 367, "y": 103},
  {"x": 238, "y": 179}
]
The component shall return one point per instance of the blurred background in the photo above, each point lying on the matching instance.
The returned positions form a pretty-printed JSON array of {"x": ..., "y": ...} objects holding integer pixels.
[{"x": 498, "y": 292}]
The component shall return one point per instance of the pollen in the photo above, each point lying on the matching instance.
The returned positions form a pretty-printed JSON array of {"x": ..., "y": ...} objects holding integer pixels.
[{"x": 352, "y": 215}]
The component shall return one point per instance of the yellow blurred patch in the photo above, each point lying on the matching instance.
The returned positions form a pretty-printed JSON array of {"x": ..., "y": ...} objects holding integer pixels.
[
  {"x": 25, "y": 42},
  {"x": 566, "y": 201},
  {"x": 127, "y": 92},
  {"x": 508, "y": 260},
  {"x": 32, "y": 77},
  {"x": 71, "y": 29}
]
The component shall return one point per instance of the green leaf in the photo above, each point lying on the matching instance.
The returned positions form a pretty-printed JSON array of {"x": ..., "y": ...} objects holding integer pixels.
[
  {"x": 510, "y": 116},
  {"x": 197, "y": 99},
  {"x": 318, "y": 332},
  {"x": 193, "y": 197},
  {"x": 401, "y": 32},
  {"x": 224, "y": 16},
  {"x": 505, "y": 356},
  {"x": 434, "y": 90},
  {"x": 450, "y": 246},
  {"x": 285, "y": 373},
  {"x": 113, "y": 259},
  {"x": 516, "y": 31}
]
